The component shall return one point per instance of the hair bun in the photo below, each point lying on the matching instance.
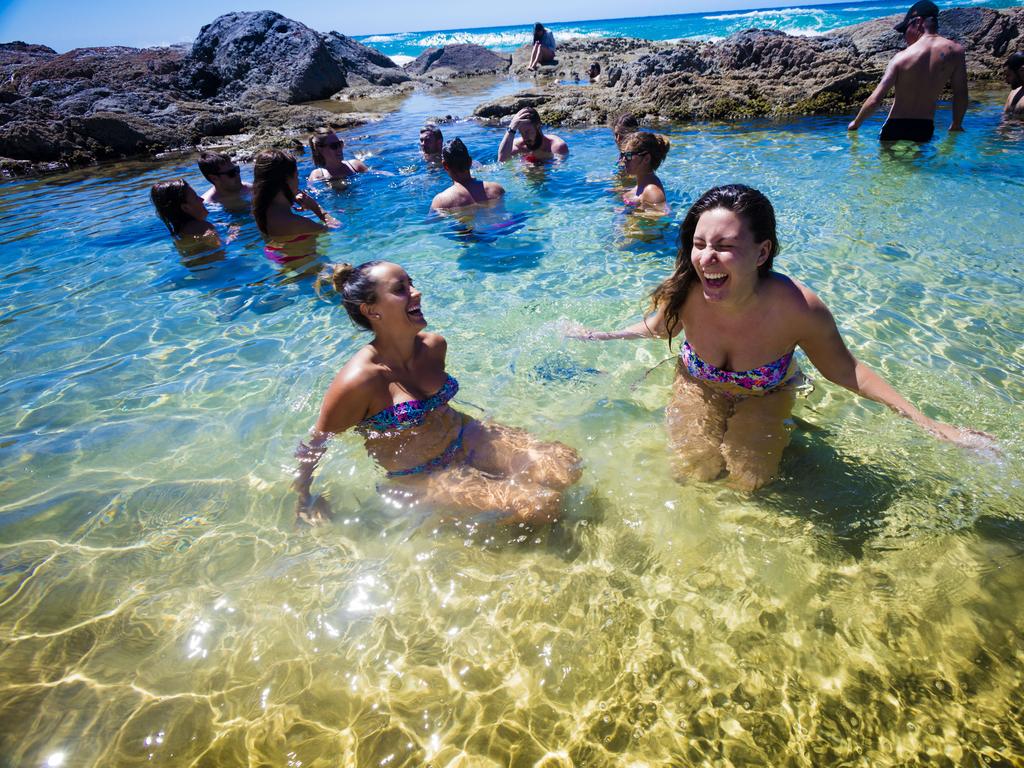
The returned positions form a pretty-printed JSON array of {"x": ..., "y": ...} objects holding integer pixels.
[{"x": 336, "y": 275}]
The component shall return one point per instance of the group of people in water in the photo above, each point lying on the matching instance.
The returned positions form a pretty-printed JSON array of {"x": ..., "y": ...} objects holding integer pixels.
[{"x": 736, "y": 319}]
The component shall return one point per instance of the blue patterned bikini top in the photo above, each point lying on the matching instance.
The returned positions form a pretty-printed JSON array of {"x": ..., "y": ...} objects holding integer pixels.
[{"x": 411, "y": 413}]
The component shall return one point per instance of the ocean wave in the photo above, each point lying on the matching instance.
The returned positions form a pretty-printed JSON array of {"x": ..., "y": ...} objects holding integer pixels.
[
  {"x": 395, "y": 38},
  {"x": 859, "y": 9},
  {"x": 769, "y": 13},
  {"x": 506, "y": 39}
]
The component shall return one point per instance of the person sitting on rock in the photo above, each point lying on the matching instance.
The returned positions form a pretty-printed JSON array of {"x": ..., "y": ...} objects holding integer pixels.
[
  {"x": 624, "y": 125},
  {"x": 543, "y": 47},
  {"x": 1013, "y": 73},
  {"x": 465, "y": 190},
  {"x": 182, "y": 211},
  {"x": 228, "y": 188},
  {"x": 594, "y": 73},
  {"x": 328, "y": 152},
  {"x": 431, "y": 141},
  {"x": 531, "y": 144},
  {"x": 919, "y": 74},
  {"x": 641, "y": 154}
]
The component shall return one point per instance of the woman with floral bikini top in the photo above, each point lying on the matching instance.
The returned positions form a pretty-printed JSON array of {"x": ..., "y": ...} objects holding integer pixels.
[{"x": 736, "y": 378}]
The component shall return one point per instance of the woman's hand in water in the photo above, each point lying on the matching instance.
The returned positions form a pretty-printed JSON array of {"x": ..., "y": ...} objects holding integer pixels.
[
  {"x": 330, "y": 221},
  {"x": 570, "y": 329},
  {"x": 314, "y": 511},
  {"x": 963, "y": 437}
]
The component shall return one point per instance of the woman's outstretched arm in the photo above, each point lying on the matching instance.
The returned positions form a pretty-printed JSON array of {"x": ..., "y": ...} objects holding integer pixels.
[
  {"x": 828, "y": 352},
  {"x": 650, "y": 327}
]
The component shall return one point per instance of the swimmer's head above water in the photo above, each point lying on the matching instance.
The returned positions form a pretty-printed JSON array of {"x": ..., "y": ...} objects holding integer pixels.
[
  {"x": 624, "y": 125},
  {"x": 1013, "y": 70},
  {"x": 455, "y": 157},
  {"x": 642, "y": 144},
  {"x": 274, "y": 172},
  {"x": 753, "y": 244},
  {"x": 431, "y": 139},
  {"x": 177, "y": 205},
  {"x": 325, "y": 140},
  {"x": 378, "y": 296}
]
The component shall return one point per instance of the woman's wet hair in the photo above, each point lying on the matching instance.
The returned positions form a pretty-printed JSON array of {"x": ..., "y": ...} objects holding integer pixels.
[
  {"x": 455, "y": 155},
  {"x": 270, "y": 174},
  {"x": 746, "y": 202},
  {"x": 538, "y": 32},
  {"x": 354, "y": 285},
  {"x": 625, "y": 124},
  {"x": 168, "y": 197},
  {"x": 654, "y": 144},
  {"x": 315, "y": 142}
]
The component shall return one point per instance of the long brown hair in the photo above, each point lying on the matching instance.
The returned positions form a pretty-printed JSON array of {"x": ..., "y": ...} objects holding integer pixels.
[
  {"x": 270, "y": 175},
  {"x": 168, "y": 197},
  {"x": 747, "y": 202}
]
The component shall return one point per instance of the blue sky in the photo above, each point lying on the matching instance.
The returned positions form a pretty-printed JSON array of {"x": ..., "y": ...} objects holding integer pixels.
[{"x": 66, "y": 24}]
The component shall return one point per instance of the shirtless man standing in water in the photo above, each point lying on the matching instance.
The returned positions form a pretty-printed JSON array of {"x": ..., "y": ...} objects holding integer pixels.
[{"x": 919, "y": 73}]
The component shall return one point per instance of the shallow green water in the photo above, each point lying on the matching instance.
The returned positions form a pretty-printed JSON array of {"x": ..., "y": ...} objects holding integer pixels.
[{"x": 158, "y": 606}]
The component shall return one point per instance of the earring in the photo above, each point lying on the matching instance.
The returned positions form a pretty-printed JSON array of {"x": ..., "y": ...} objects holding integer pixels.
[{"x": 377, "y": 315}]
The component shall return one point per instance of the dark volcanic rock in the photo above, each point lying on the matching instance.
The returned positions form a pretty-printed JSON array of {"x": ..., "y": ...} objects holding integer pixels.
[
  {"x": 459, "y": 59},
  {"x": 249, "y": 56},
  {"x": 749, "y": 74},
  {"x": 240, "y": 77},
  {"x": 363, "y": 65}
]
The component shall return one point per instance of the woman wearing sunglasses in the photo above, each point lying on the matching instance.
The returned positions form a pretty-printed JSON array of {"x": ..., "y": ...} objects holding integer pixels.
[
  {"x": 641, "y": 154},
  {"x": 328, "y": 153}
]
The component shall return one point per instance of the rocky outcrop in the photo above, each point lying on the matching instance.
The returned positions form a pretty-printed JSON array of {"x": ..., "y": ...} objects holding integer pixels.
[
  {"x": 749, "y": 74},
  {"x": 245, "y": 74},
  {"x": 458, "y": 59}
]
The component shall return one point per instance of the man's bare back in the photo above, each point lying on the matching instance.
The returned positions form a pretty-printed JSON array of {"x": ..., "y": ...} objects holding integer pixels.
[
  {"x": 463, "y": 194},
  {"x": 921, "y": 74}
]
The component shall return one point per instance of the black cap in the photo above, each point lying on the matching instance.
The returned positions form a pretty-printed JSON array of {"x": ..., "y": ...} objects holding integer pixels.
[{"x": 922, "y": 9}]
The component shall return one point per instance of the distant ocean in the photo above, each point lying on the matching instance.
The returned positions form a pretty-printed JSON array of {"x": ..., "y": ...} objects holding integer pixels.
[{"x": 709, "y": 25}]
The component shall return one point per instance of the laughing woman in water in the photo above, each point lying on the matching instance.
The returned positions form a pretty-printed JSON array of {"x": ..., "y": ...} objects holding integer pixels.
[
  {"x": 736, "y": 375},
  {"x": 396, "y": 392}
]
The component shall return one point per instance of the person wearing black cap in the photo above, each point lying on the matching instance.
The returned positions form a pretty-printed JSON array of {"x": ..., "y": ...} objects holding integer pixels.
[
  {"x": 465, "y": 190},
  {"x": 919, "y": 74},
  {"x": 1013, "y": 72}
]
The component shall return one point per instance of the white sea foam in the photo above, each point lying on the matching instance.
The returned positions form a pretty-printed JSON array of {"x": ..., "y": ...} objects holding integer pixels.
[
  {"x": 401, "y": 60},
  {"x": 395, "y": 38},
  {"x": 858, "y": 9},
  {"x": 505, "y": 39},
  {"x": 770, "y": 13}
]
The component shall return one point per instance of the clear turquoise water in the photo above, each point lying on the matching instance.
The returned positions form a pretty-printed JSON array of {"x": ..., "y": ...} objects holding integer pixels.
[
  {"x": 158, "y": 606},
  {"x": 705, "y": 25}
]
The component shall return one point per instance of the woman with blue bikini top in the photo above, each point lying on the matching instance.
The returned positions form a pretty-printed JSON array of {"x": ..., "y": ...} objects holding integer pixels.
[
  {"x": 735, "y": 378},
  {"x": 396, "y": 393}
]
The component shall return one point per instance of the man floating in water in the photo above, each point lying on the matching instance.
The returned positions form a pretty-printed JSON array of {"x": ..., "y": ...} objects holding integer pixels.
[
  {"x": 919, "y": 73},
  {"x": 532, "y": 144}
]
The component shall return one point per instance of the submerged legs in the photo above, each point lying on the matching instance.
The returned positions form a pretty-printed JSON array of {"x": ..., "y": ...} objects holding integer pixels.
[{"x": 710, "y": 433}]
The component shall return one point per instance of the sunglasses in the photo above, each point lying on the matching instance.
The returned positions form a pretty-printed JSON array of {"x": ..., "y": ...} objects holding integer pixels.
[
  {"x": 233, "y": 170},
  {"x": 627, "y": 156},
  {"x": 330, "y": 144}
]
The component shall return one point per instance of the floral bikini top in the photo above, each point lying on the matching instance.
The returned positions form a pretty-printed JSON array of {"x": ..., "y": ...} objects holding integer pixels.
[
  {"x": 758, "y": 380},
  {"x": 411, "y": 413}
]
